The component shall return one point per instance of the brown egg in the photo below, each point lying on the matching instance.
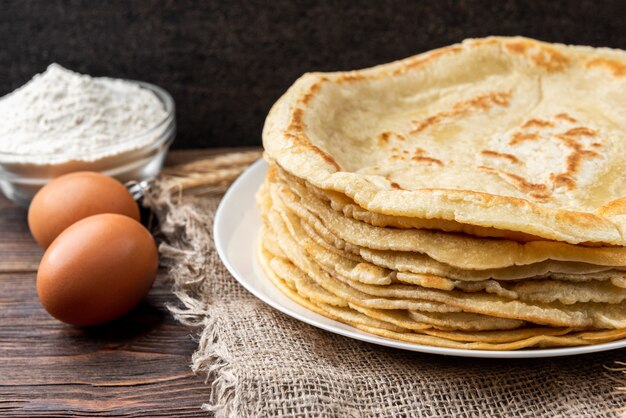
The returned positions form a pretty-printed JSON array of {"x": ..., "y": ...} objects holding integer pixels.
[
  {"x": 97, "y": 270},
  {"x": 72, "y": 197}
]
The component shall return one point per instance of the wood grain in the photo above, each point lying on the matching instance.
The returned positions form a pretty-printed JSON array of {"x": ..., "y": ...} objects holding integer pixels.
[
  {"x": 18, "y": 251},
  {"x": 135, "y": 366}
]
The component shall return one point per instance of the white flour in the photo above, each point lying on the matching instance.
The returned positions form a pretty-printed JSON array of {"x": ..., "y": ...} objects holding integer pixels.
[{"x": 61, "y": 116}]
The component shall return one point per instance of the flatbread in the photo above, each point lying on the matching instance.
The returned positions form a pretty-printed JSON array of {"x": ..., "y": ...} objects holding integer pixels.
[
  {"x": 476, "y": 340},
  {"x": 505, "y": 133},
  {"x": 373, "y": 267},
  {"x": 346, "y": 206},
  {"x": 602, "y": 289},
  {"x": 580, "y": 315},
  {"x": 461, "y": 251},
  {"x": 415, "y": 264}
]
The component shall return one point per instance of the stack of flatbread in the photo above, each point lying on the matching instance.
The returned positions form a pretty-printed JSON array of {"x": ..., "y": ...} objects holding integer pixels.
[{"x": 469, "y": 197}]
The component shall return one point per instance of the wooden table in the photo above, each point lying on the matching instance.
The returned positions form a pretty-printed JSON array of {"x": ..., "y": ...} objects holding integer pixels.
[{"x": 136, "y": 366}]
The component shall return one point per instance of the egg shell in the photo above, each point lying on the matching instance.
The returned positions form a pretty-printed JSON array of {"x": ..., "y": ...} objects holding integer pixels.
[
  {"x": 75, "y": 196},
  {"x": 97, "y": 270}
]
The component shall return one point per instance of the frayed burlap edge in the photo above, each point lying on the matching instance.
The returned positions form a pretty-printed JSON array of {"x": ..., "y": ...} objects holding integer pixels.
[
  {"x": 187, "y": 245},
  {"x": 185, "y": 257}
]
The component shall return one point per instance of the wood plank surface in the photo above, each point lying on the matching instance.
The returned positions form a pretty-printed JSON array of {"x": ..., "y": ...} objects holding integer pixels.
[{"x": 135, "y": 366}]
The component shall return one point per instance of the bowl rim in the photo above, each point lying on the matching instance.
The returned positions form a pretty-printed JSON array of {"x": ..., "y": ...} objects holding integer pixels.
[{"x": 164, "y": 97}]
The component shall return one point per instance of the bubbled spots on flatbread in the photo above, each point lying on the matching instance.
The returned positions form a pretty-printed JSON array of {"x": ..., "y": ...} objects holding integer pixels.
[{"x": 505, "y": 133}]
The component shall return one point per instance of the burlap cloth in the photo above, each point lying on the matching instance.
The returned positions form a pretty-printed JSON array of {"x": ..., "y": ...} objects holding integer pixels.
[{"x": 260, "y": 362}]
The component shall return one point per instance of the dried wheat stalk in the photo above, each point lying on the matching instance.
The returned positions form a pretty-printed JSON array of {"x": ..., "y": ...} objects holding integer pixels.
[{"x": 210, "y": 175}]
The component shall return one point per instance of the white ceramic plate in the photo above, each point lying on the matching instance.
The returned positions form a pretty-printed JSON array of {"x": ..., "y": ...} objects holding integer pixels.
[{"x": 237, "y": 223}]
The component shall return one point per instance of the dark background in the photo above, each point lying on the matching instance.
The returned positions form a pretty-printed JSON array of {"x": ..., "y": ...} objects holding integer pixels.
[{"x": 226, "y": 62}]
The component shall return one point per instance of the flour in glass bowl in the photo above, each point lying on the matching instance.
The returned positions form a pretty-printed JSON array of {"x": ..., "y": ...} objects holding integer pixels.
[{"x": 61, "y": 116}]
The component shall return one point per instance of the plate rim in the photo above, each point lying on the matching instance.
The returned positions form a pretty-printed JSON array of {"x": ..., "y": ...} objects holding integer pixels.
[{"x": 258, "y": 169}]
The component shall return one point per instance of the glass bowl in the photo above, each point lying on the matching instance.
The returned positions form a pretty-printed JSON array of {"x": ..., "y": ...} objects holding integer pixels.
[{"x": 21, "y": 179}]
